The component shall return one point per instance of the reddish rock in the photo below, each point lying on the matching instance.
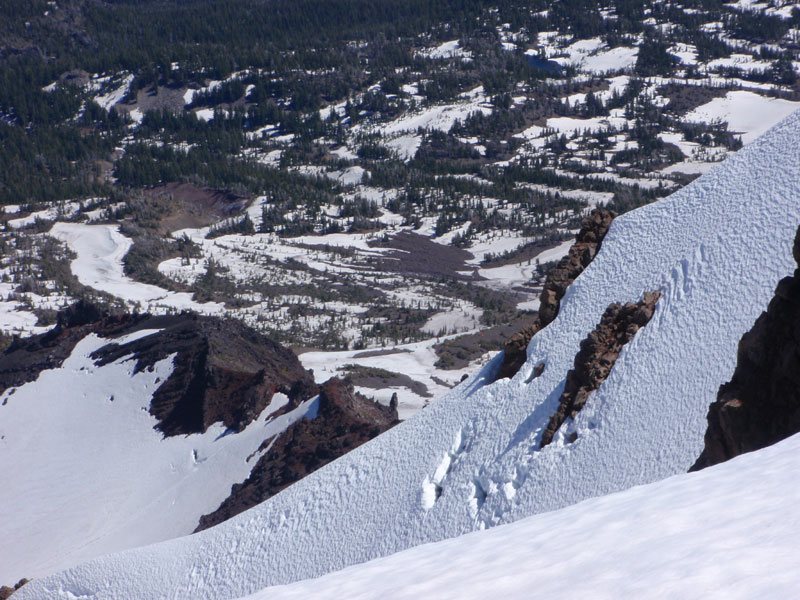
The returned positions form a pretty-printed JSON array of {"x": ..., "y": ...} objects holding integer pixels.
[
  {"x": 598, "y": 354},
  {"x": 760, "y": 405},
  {"x": 344, "y": 421},
  {"x": 594, "y": 228},
  {"x": 223, "y": 370},
  {"x": 6, "y": 591}
]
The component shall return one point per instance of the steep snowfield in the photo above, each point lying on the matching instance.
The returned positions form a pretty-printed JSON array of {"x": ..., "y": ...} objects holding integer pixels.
[
  {"x": 728, "y": 532},
  {"x": 85, "y": 473},
  {"x": 716, "y": 250}
]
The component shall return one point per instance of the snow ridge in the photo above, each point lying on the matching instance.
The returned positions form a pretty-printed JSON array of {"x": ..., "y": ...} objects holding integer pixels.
[{"x": 715, "y": 250}]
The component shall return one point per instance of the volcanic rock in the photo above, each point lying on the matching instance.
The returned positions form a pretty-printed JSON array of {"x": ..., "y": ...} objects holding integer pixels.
[
  {"x": 6, "y": 592},
  {"x": 587, "y": 243},
  {"x": 345, "y": 419},
  {"x": 223, "y": 371},
  {"x": 760, "y": 405},
  {"x": 598, "y": 354}
]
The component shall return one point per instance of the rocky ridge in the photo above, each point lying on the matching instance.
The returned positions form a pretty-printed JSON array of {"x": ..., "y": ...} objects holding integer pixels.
[
  {"x": 760, "y": 405},
  {"x": 599, "y": 351},
  {"x": 587, "y": 243},
  {"x": 345, "y": 420},
  {"x": 7, "y": 591},
  {"x": 224, "y": 372}
]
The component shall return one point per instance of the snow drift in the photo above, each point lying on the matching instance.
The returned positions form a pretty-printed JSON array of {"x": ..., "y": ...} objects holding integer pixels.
[
  {"x": 727, "y": 532},
  {"x": 715, "y": 250}
]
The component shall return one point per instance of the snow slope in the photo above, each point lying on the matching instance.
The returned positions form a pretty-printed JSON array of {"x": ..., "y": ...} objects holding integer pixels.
[
  {"x": 100, "y": 250},
  {"x": 727, "y": 532},
  {"x": 86, "y": 474},
  {"x": 716, "y": 249},
  {"x": 745, "y": 112}
]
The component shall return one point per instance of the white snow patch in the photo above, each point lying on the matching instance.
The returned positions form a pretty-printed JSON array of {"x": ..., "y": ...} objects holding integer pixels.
[
  {"x": 451, "y": 49},
  {"x": 745, "y": 112},
  {"x": 90, "y": 473},
  {"x": 713, "y": 534},
  {"x": 116, "y": 95},
  {"x": 100, "y": 250}
]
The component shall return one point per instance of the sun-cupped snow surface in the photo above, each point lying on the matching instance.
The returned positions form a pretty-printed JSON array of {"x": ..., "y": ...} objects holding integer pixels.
[
  {"x": 100, "y": 250},
  {"x": 86, "y": 473},
  {"x": 727, "y": 532},
  {"x": 716, "y": 250}
]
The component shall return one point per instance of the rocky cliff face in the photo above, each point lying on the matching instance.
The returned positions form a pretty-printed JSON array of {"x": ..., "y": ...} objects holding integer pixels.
[
  {"x": 760, "y": 405},
  {"x": 7, "y": 591},
  {"x": 223, "y": 371},
  {"x": 344, "y": 421},
  {"x": 25, "y": 358},
  {"x": 597, "y": 356},
  {"x": 587, "y": 243}
]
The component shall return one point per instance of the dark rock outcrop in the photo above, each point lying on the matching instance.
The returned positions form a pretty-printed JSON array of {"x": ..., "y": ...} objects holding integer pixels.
[
  {"x": 25, "y": 358},
  {"x": 587, "y": 243},
  {"x": 6, "y": 592},
  {"x": 223, "y": 370},
  {"x": 344, "y": 420},
  {"x": 760, "y": 405},
  {"x": 598, "y": 353}
]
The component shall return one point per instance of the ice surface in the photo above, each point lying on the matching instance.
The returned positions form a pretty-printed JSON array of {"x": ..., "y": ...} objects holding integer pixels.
[{"x": 716, "y": 249}]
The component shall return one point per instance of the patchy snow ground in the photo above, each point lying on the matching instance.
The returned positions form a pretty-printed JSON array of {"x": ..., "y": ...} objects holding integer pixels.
[
  {"x": 100, "y": 250},
  {"x": 716, "y": 249},
  {"x": 57, "y": 210},
  {"x": 441, "y": 117},
  {"x": 414, "y": 360},
  {"x": 727, "y": 532},
  {"x": 89, "y": 473},
  {"x": 590, "y": 55},
  {"x": 451, "y": 49},
  {"x": 116, "y": 95},
  {"x": 509, "y": 276}
]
